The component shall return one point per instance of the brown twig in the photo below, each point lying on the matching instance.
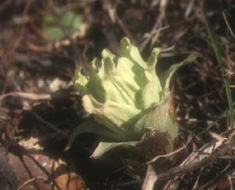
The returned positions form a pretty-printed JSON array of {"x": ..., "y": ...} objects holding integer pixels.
[
  {"x": 180, "y": 170},
  {"x": 187, "y": 168}
]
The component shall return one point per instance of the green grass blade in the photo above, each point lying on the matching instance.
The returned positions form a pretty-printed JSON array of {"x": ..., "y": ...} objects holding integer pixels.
[{"x": 219, "y": 60}]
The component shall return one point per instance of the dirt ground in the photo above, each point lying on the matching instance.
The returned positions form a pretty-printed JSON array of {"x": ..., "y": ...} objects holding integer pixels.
[{"x": 39, "y": 106}]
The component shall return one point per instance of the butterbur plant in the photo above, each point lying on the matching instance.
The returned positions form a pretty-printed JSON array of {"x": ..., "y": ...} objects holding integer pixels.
[{"x": 126, "y": 97}]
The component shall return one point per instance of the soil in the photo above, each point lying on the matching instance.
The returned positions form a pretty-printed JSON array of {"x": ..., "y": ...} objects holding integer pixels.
[{"x": 40, "y": 108}]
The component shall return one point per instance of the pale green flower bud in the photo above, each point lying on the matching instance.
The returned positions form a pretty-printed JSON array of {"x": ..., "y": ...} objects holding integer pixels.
[{"x": 126, "y": 96}]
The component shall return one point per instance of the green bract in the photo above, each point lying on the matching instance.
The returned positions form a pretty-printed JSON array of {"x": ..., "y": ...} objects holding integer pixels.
[{"x": 126, "y": 97}]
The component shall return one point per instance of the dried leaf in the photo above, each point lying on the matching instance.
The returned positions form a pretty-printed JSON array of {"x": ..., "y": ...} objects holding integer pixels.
[{"x": 150, "y": 179}]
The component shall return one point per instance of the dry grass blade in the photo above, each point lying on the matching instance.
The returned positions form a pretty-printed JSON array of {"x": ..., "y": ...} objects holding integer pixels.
[{"x": 26, "y": 95}]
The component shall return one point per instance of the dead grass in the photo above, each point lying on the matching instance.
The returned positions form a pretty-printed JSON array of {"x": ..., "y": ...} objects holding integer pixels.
[{"x": 32, "y": 67}]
